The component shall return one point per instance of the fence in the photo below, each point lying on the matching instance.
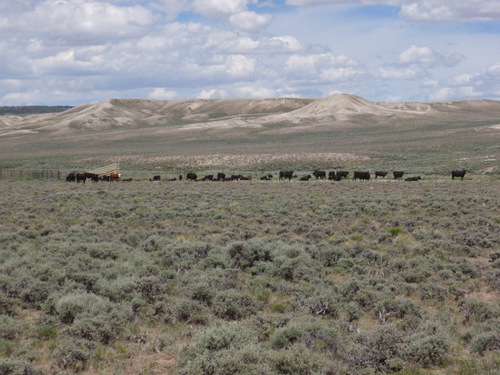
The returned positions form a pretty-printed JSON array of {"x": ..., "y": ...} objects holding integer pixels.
[{"x": 35, "y": 174}]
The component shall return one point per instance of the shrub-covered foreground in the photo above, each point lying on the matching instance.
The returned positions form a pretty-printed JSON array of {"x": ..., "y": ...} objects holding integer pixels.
[{"x": 250, "y": 278}]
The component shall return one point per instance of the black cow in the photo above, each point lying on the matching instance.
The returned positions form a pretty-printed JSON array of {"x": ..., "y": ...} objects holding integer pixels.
[
  {"x": 380, "y": 174},
  {"x": 208, "y": 177},
  {"x": 319, "y": 174},
  {"x": 457, "y": 174},
  {"x": 267, "y": 177},
  {"x": 80, "y": 177},
  {"x": 92, "y": 176},
  {"x": 191, "y": 176},
  {"x": 398, "y": 175},
  {"x": 340, "y": 175},
  {"x": 235, "y": 177},
  {"x": 286, "y": 174},
  {"x": 305, "y": 178},
  {"x": 331, "y": 175},
  {"x": 71, "y": 177},
  {"x": 156, "y": 178},
  {"x": 413, "y": 178},
  {"x": 361, "y": 175},
  {"x": 221, "y": 176}
]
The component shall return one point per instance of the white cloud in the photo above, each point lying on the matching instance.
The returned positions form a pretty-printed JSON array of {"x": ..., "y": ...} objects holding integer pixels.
[
  {"x": 239, "y": 66},
  {"x": 65, "y": 50},
  {"x": 255, "y": 92},
  {"x": 250, "y": 21},
  {"x": 450, "y": 93},
  {"x": 397, "y": 74},
  {"x": 78, "y": 21},
  {"x": 340, "y": 74},
  {"x": 161, "y": 93},
  {"x": 170, "y": 8},
  {"x": 302, "y": 3},
  {"x": 212, "y": 94},
  {"x": 305, "y": 3},
  {"x": 463, "y": 79},
  {"x": 219, "y": 9},
  {"x": 314, "y": 65},
  {"x": 450, "y": 10},
  {"x": 492, "y": 71},
  {"x": 427, "y": 58}
]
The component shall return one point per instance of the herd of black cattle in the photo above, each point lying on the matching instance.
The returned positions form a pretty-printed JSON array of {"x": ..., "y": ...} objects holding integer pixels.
[{"x": 283, "y": 175}]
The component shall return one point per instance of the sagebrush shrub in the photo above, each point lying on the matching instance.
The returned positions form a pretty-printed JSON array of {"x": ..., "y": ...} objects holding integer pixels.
[
  {"x": 233, "y": 304},
  {"x": 73, "y": 355}
]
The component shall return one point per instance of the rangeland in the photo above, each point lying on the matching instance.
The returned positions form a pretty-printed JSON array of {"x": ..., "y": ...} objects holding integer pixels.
[{"x": 252, "y": 277}]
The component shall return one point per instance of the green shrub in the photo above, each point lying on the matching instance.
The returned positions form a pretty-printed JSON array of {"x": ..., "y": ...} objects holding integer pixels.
[
  {"x": 13, "y": 366},
  {"x": 394, "y": 231},
  {"x": 312, "y": 332},
  {"x": 323, "y": 304},
  {"x": 246, "y": 254},
  {"x": 190, "y": 312},
  {"x": 427, "y": 346},
  {"x": 101, "y": 328},
  {"x": 233, "y": 304},
  {"x": 70, "y": 306},
  {"x": 296, "y": 360},
  {"x": 7, "y": 305},
  {"x": 73, "y": 355},
  {"x": 485, "y": 342},
  {"x": 395, "y": 308},
  {"x": 250, "y": 360},
  {"x": 225, "y": 348},
  {"x": 378, "y": 348},
  {"x": 11, "y": 328},
  {"x": 477, "y": 311},
  {"x": 46, "y": 333}
]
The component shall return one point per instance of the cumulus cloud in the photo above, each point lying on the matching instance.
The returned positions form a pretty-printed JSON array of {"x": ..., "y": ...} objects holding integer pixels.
[
  {"x": 78, "y": 20},
  {"x": 250, "y": 21},
  {"x": 449, "y": 93},
  {"x": 161, "y": 93},
  {"x": 427, "y": 10},
  {"x": 426, "y": 58},
  {"x": 303, "y": 3},
  {"x": 397, "y": 74},
  {"x": 212, "y": 94},
  {"x": 484, "y": 83},
  {"x": 239, "y": 66},
  {"x": 450, "y": 10},
  {"x": 219, "y": 9},
  {"x": 63, "y": 50},
  {"x": 314, "y": 65},
  {"x": 255, "y": 92}
]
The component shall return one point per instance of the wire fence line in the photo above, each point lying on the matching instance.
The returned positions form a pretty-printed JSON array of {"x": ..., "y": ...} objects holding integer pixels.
[{"x": 38, "y": 174}]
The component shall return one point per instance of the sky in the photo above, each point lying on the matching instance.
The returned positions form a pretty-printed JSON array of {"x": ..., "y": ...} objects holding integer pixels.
[{"x": 68, "y": 52}]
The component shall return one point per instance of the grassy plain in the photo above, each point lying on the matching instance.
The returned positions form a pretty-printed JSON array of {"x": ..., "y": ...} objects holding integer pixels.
[{"x": 250, "y": 277}]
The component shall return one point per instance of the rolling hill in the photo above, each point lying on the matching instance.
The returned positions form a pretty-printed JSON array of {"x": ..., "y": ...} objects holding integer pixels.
[{"x": 341, "y": 123}]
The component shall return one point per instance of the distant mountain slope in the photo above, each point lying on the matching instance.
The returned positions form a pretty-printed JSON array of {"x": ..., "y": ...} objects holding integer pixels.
[
  {"x": 119, "y": 113},
  {"x": 336, "y": 111},
  {"x": 32, "y": 109}
]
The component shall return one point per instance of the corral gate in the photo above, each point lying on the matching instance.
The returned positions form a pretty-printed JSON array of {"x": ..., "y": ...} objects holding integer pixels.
[{"x": 107, "y": 170}]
